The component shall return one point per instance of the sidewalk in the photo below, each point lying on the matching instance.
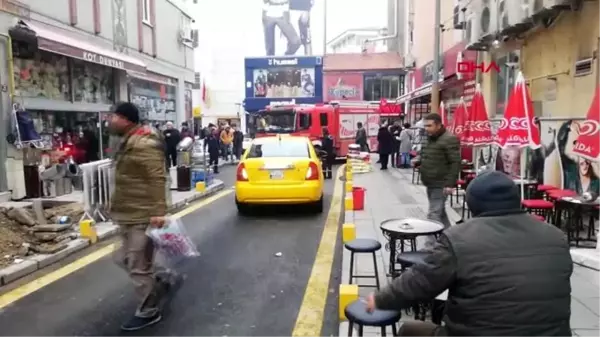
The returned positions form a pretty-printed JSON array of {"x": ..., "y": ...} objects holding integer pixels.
[
  {"x": 390, "y": 194},
  {"x": 104, "y": 230}
]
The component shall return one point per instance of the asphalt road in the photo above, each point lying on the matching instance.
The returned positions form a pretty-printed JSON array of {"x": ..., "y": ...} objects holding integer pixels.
[{"x": 237, "y": 287}]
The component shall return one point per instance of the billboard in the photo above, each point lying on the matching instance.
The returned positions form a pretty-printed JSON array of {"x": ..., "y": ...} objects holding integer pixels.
[
  {"x": 342, "y": 86},
  {"x": 283, "y": 80},
  {"x": 288, "y": 26}
]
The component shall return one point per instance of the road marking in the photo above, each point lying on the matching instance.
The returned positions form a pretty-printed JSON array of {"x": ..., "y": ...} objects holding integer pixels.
[
  {"x": 310, "y": 316},
  {"x": 44, "y": 280}
]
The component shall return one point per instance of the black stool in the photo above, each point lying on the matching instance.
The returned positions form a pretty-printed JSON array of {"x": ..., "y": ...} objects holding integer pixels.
[
  {"x": 363, "y": 246},
  {"x": 356, "y": 312},
  {"x": 407, "y": 260}
]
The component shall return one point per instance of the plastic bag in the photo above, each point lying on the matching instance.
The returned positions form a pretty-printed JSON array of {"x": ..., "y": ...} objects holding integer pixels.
[{"x": 172, "y": 241}]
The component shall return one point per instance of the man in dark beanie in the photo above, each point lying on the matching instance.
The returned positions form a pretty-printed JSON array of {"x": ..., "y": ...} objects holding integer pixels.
[
  {"x": 139, "y": 202},
  {"x": 507, "y": 273}
]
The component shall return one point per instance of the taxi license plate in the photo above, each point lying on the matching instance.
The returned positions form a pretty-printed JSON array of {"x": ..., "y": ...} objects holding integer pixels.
[{"x": 277, "y": 174}]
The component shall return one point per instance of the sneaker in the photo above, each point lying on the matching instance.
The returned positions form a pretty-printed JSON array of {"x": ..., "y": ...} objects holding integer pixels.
[{"x": 138, "y": 323}]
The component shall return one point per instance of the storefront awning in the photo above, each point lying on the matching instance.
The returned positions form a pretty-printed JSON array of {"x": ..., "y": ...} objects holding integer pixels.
[
  {"x": 469, "y": 90},
  {"x": 58, "y": 42}
]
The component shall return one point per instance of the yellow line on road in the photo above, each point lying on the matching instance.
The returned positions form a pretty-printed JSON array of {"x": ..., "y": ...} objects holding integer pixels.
[
  {"x": 310, "y": 316},
  {"x": 44, "y": 280}
]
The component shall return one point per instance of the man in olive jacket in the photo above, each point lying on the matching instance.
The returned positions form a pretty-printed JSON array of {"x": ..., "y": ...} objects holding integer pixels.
[
  {"x": 139, "y": 201},
  {"x": 440, "y": 166},
  {"x": 507, "y": 273}
]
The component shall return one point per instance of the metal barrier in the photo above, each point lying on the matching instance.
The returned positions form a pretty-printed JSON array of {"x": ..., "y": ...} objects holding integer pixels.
[{"x": 97, "y": 178}]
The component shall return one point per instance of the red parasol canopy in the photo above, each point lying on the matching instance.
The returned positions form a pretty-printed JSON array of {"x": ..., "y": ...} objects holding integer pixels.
[
  {"x": 459, "y": 120},
  {"x": 478, "y": 130},
  {"x": 588, "y": 141},
  {"x": 444, "y": 114},
  {"x": 517, "y": 127}
]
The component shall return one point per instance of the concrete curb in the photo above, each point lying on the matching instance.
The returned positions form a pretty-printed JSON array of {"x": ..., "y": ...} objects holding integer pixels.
[{"x": 105, "y": 230}]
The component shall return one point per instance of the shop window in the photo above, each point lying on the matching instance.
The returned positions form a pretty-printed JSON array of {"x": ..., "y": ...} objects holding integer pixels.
[
  {"x": 505, "y": 80},
  {"x": 46, "y": 76},
  {"x": 92, "y": 83},
  {"x": 386, "y": 86}
]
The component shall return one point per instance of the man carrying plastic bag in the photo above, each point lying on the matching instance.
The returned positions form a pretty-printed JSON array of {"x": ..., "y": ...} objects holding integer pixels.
[{"x": 139, "y": 202}]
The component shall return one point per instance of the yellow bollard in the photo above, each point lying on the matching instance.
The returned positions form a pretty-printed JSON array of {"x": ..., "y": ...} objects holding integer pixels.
[
  {"x": 348, "y": 186},
  {"x": 348, "y": 232},
  {"x": 348, "y": 294},
  {"x": 349, "y": 175},
  {"x": 200, "y": 186},
  {"x": 88, "y": 231},
  {"x": 348, "y": 204}
]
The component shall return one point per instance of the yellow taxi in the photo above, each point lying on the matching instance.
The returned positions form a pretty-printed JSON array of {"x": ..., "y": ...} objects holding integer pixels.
[{"x": 278, "y": 170}]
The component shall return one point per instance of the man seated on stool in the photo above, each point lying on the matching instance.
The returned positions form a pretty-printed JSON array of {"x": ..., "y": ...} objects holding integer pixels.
[{"x": 507, "y": 273}]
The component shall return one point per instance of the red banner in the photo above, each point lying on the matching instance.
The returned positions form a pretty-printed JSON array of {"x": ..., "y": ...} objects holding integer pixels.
[{"x": 342, "y": 86}]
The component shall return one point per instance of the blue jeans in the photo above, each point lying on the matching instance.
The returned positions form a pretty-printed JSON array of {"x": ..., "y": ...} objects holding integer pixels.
[{"x": 405, "y": 159}]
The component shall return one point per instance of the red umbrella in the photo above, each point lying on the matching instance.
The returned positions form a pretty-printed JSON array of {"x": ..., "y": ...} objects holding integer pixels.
[
  {"x": 444, "y": 114},
  {"x": 459, "y": 120},
  {"x": 478, "y": 130},
  {"x": 588, "y": 141},
  {"x": 517, "y": 127}
]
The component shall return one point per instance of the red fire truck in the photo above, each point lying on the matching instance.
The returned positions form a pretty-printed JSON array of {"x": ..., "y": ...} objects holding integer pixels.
[{"x": 339, "y": 117}]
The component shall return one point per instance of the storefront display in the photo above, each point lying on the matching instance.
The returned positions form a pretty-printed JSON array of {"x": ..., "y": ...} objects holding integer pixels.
[
  {"x": 157, "y": 101},
  {"x": 46, "y": 76},
  {"x": 92, "y": 83}
]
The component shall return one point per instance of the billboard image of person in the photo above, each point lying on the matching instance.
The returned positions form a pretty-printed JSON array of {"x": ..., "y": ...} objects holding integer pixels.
[
  {"x": 283, "y": 14},
  {"x": 284, "y": 82}
]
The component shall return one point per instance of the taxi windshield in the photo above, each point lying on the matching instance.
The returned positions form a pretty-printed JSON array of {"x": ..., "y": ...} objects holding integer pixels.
[
  {"x": 276, "y": 121},
  {"x": 281, "y": 149}
]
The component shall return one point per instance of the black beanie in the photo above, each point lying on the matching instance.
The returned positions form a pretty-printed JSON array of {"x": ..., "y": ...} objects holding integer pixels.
[
  {"x": 129, "y": 111},
  {"x": 493, "y": 191}
]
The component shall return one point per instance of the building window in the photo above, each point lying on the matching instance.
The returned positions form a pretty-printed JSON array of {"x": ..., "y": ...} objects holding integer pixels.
[
  {"x": 377, "y": 87},
  {"x": 505, "y": 80},
  {"x": 146, "y": 12}
]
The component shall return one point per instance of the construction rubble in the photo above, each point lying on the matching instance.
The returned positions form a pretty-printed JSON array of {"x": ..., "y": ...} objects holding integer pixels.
[{"x": 21, "y": 234}]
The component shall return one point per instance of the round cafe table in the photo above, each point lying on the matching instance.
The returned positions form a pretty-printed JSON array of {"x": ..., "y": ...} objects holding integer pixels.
[{"x": 398, "y": 231}]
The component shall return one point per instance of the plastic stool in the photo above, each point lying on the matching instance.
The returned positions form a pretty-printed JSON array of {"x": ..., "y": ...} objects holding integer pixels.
[
  {"x": 358, "y": 246},
  {"x": 356, "y": 312}
]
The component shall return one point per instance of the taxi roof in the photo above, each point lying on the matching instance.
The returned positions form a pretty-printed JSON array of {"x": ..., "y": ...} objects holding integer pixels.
[{"x": 282, "y": 137}]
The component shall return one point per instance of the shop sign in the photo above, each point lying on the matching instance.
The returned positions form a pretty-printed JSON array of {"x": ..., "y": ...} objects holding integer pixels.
[
  {"x": 197, "y": 112},
  {"x": 16, "y": 8},
  {"x": 281, "y": 103},
  {"x": 283, "y": 62},
  {"x": 103, "y": 60},
  {"x": 471, "y": 67},
  {"x": 340, "y": 86}
]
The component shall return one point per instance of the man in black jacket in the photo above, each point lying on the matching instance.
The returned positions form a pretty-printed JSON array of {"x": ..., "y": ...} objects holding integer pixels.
[
  {"x": 327, "y": 146},
  {"x": 507, "y": 273},
  {"x": 172, "y": 138},
  {"x": 238, "y": 142},
  {"x": 212, "y": 144}
]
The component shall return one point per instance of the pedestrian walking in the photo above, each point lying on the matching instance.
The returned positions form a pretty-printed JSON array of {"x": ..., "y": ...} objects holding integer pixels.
[
  {"x": 238, "y": 142},
  {"x": 185, "y": 131},
  {"x": 139, "y": 201},
  {"x": 172, "y": 138},
  {"x": 440, "y": 166},
  {"x": 212, "y": 145},
  {"x": 507, "y": 273},
  {"x": 329, "y": 155},
  {"x": 361, "y": 138},
  {"x": 385, "y": 142},
  {"x": 406, "y": 139},
  {"x": 226, "y": 142}
]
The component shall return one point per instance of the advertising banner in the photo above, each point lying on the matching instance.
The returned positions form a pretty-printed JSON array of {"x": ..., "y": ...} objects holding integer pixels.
[
  {"x": 342, "y": 86},
  {"x": 288, "y": 27},
  {"x": 283, "y": 80}
]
